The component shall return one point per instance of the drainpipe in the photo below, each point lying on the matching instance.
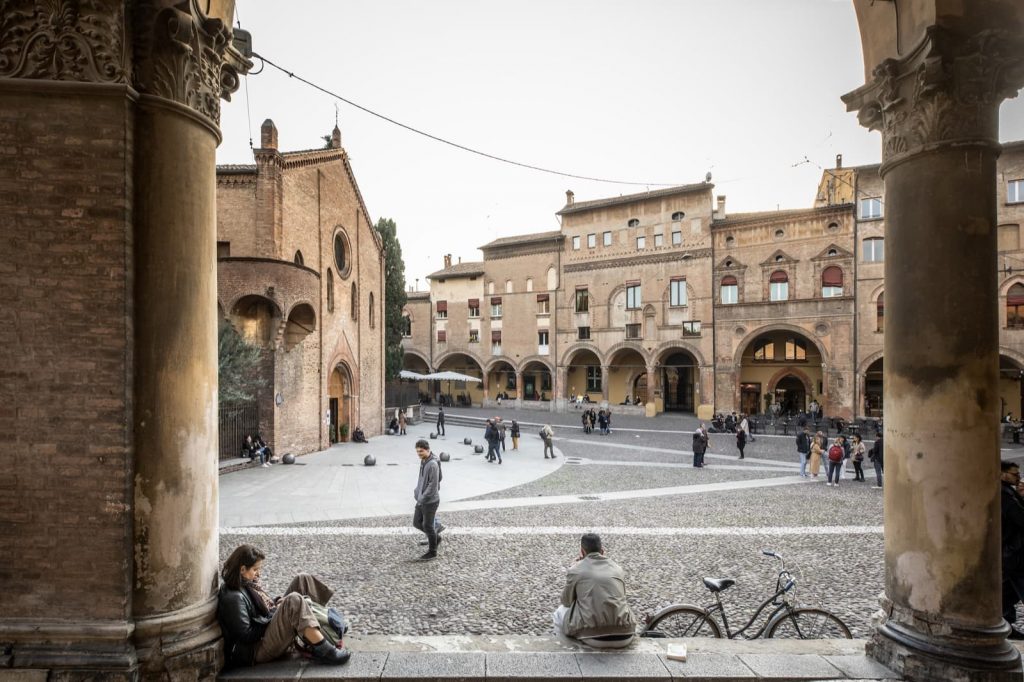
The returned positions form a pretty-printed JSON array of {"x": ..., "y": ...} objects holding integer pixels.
[
  {"x": 320, "y": 269},
  {"x": 857, "y": 402}
]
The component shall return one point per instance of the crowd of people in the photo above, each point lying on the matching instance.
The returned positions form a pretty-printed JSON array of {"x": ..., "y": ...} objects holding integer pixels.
[{"x": 602, "y": 419}]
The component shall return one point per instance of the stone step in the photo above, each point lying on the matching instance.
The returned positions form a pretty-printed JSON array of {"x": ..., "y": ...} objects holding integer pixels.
[{"x": 554, "y": 659}]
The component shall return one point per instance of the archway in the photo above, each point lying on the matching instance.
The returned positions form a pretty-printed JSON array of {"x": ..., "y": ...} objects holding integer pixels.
[
  {"x": 678, "y": 380},
  {"x": 873, "y": 389},
  {"x": 640, "y": 389},
  {"x": 780, "y": 372},
  {"x": 583, "y": 375},
  {"x": 501, "y": 380},
  {"x": 339, "y": 401},
  {"x": 536, "y": 381},
  {"x": 256, "y": 319},
  {"x": 1011, "y": 388},
  {"x": 414, "y": 362},
  {"x": 625, "y": 366},
  {"x": 460, "y": 392},
  {"x": 301, "y": 323}
]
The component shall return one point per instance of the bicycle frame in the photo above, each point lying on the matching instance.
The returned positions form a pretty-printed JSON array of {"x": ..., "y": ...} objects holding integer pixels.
[{"x": 783, "y": 584}]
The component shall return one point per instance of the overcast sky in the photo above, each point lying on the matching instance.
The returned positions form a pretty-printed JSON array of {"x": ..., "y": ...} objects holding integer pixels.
[{"x": 648, "y": 91}]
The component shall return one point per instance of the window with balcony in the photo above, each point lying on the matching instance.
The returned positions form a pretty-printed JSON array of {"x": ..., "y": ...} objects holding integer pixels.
[
  {"x": 1015, "y": 191},
  {"x": 583, "y": 333},
  {"x": 542, "y": 342},
  {"x": 495, "y": 343},
  {"x": 495, "y": 306},
  {"x": 764, "y": 350},
  {"x": 729, "y": 290},
  {"x": 796, "y": 349},
  {"x": 633, "y": 331},
  {"x": 607, "y": 238},
  {"x": 677, "y": 291},
  {"x": 831, "y": 282},
  {"x": 873, "y": 249},
  {"x": 691, "y": 328},
  {"x": 593, "y": 379},
  {"x": 543, "y": 304},
  {"x": 474, "y": 307},
  {"x": 591, "y": 240},
  {"x": 633, "y": 301},
  {"x": 441, "y": 307},
  {"x": 778, "y": 286},
  {"x": 641, "y": 243},
  {"x": 582, "y": 300},
  {"x": 575, "y": 243},
  {"x": 870, "y": 208},
  {"x": 474, "y": 336},
  {"x": 1015, "y": 307}
]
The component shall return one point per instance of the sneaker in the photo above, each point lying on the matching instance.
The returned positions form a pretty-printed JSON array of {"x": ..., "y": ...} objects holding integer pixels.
[
  {"x": 428, "y": 556},
  {"x": 325, "y": 652},
  {"x": 828, "y": 483},
  {"x": 1015, "y": 634},
  {"x": 265, "y": 465},
  {"x": 876, "y": 487}
]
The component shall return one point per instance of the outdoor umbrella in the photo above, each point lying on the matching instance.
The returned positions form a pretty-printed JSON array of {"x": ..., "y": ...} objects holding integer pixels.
[
  {"x": 409, "y": 374},
  {"x": 450, "y": 377}
]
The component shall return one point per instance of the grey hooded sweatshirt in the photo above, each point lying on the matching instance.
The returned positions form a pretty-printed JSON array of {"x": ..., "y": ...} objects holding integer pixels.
[{"x": 429, "y": 483}]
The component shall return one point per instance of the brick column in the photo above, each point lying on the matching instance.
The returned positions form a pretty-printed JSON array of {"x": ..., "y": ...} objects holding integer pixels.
[
  {"x": 605, "y": 371},
  {"x": 937, "y": 107}
]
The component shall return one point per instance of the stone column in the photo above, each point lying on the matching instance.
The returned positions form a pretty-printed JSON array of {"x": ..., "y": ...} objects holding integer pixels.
[
  {"x": 937, "y": 107},
  {"x": 605, "y": 378},
  {"x": 182, "y": 71},
  {"x": 651, "y": 406},
  {"x": 519, "y": 389}
]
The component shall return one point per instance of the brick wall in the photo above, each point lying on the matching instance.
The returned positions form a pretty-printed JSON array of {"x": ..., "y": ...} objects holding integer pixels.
[{"x": 66, "y": 344}]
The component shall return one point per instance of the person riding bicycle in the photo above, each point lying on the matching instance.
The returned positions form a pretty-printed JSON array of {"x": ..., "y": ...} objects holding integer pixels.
[{"x": 594, "y": 608}]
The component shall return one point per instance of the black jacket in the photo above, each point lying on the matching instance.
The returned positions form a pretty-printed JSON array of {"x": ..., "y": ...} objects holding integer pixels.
[
  {"x": 243, "y": 626},
  {"x": 1012, "y": 509},
  {"x": 877, "y": 453},
  {"x": 803, "y": 442},
  {"x": 700, "y": 444}
]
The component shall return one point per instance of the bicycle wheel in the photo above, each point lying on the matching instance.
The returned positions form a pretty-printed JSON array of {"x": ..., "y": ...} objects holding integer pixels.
[
  {"x": 684, "y": 621},
  {"x": 808, "y": 623}
]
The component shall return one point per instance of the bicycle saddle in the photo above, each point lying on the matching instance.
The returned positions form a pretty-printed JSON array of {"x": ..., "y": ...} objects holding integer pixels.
[{"x": 718, "y": 584}]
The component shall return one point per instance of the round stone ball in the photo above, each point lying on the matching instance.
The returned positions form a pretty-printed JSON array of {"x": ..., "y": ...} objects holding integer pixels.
[
  {"x": 478, "y": 449},
  {"x": 369, "y": 460},
  {"x": 391, "y": 432},
  {"x": 444, "y": 457},
  {"x": 433, "y": 436},
  {"x": 467, "y": 441},
  {"x": 288, "y": 459}
]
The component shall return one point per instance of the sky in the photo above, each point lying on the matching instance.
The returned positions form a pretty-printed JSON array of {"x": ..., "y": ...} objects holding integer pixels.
[{"x": 640, "y": 91}]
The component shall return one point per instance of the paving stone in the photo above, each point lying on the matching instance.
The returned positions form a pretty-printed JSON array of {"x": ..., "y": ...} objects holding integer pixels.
[
  {"x": 423, "y": 667},
  {"x": 622, "y": 666},
  {"x": 532, "y": 667},
  {"x": 861, "y": 667},
  {"x": 791, "y": 667},
  {"x": 275, "y": 671},
  {"x": 363, "y": 665},
  {"x": 709, "y": 666}
]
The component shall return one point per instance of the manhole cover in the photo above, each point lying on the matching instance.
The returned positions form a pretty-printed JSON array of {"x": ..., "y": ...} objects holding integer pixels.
[
  {"x": 392, "y": 464},
  {"x": 348, "y": 465},
  {"x": 589, "y": 497},
  {"x": 573, "y": 461}
]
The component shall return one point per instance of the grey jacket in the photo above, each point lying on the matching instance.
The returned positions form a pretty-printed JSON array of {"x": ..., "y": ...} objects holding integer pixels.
[
  {"x": 595, "y": 592},
  {"x": 429, "y": 484}
]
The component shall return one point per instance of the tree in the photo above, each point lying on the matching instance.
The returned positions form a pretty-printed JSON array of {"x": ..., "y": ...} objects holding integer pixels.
[
  {"x": 238, "y": 367},
  {"x": 394, "y": 297}
]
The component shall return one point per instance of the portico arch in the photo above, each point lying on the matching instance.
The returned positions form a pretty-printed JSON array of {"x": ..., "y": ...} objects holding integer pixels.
[
  {"x": 766, "y": 357},
  {"x": 627, "y": 362},
  {"x": 461, "y": 392},
  {"x": 538, "y": 378},
  {"x": 501, "y": 378},
  {"x": 583, "y": 373},
  {"x": 256, "y": 319}
]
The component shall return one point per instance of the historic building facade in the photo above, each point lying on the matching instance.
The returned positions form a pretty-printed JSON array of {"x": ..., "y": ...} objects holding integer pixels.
[
  {"x": 665, "y": 301},
  {"x": 300, "y": 273}
]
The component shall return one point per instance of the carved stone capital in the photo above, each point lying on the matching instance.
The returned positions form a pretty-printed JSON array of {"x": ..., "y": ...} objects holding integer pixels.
[
  {"x": 947, "y": 90},
  {"x": 184, "y": 56},
  {"x": 64, "y": 40}
]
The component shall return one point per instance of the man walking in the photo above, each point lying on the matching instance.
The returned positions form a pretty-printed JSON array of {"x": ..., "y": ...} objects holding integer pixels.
[
  {"x": 501, "y": 433},
  {"x": 876, "y": 457},
  {"x": 594, "y": 608},
  {"x": 440, "y": 421},
  {"x": 548, "y": 436},
  {"x": 700, "y": 445},
  {"x": 803, "y": 449},
  {"x": 428, "y": 497},
  {"x": 1012, "y": 511},
  {"x": 493, "y": 441}
]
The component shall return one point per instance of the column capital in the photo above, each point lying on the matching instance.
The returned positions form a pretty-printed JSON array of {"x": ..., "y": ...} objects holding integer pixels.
[
  {"x": 945, "y": 90},
  {"x": 185, "y": 56}
]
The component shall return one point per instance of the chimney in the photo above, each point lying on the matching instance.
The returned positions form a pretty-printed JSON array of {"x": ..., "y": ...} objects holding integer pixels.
[
  {"x": 447, "y": 260},
  {"x": 336, "y": 138},
  {"x": 460, "y": 260},
  {"x": 570, "y": 198},
  {"x": 720, "y": 213},
  {"x": 839, "y": 161},
  {"x": 268, "y": 135}
]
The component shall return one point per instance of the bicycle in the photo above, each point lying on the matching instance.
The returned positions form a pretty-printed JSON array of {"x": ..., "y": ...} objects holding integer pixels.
[{"x": 786, "y": 621}]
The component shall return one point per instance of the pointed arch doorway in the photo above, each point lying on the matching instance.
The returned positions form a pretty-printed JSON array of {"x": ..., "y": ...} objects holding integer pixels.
[{"x": 339, "y": 394}]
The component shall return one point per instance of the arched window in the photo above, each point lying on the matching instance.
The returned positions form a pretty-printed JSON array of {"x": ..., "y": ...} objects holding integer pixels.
[
  {"x": 1015, "y": 307},
  {"x": 355, "y": 303},
  {"x": 796, "y": 349},
  {"x": 831, "y": 282},
  {"x": 633, "y": 222},
  {"x": 371, "y": 310},
  {"x": 508, "y": 286},
  {"x": 778, "y": 286},
  {"x": 764, "y": 349},
  {"x": 298, "y": 258},
  {"x": 330, "y": 291},
  {"x": 677, "y": 216},
  {"x": 529, "y": 283},
  {"x": 729, "y": 292},
  {"x": 880, "y": 312},
  {"x": 873, "y": 250}
]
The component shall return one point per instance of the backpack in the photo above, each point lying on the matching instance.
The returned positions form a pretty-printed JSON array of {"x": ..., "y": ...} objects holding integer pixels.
[{"x": 835, "y": 453}]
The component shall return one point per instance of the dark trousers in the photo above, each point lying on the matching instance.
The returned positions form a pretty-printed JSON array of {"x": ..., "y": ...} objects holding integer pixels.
[
  {"x": 698, "y": 459},
  {"x": 834, "y": 469},
  {"x": 1013, "y": 592},
  {"x": 423, "y": 520},
  {"x": 858, "y": 471},
  {"x": 440, "y": 427},
  {"x": 741, "y": 450},
  {"x": 878, "y": 471}
]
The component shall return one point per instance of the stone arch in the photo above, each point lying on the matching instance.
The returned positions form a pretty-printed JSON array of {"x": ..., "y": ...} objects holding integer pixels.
[
  {"x": 342, "y": 407},
  {"x": 791, "y": 371},
  {"x": 609, "y": 355},
  {"x": 573, "y": 350},
  {"x": 870, "y": 360},
  {"x": 1014, "y": 355},
  {"x": 658, "y": 354},
  {"x": 301, "y": 323},
  {"x": 445, "y": 357},
  {"x": 808, "y": 334},
  {"x": 544, "y": 360},
  {"x": 489, "y": 365},
  {"x": 256, "y": 319},
  {"x": 1004, "y": 286},
  {"x": 416, "y": 354}
]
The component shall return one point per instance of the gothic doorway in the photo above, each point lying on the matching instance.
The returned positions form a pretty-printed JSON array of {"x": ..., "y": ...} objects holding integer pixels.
[{"x": 678, "y": 377}]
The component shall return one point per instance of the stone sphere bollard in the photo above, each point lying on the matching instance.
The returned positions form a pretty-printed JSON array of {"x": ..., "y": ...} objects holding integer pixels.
[
  {"x": 288, "y": 459},
  {"x": 444, "y": 457},
  {"x": 478, "y": 449},
  {"x": 467, "y": 441},
  {"x": 391, "y": 432},
  {"x": 433, "y": 436},
  {"x": 369, "y": 460}
]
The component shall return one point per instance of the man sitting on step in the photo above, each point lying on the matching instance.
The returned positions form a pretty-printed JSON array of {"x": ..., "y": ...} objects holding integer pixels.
[{"x": 594, "y": 608}]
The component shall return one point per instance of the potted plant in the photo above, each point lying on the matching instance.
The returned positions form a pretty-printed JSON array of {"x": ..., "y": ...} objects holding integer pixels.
[{"x": 343, "y": 433}]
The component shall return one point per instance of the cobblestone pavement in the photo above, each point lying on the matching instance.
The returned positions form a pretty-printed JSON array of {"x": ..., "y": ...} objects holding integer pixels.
[{"x": 501, "y": 568}]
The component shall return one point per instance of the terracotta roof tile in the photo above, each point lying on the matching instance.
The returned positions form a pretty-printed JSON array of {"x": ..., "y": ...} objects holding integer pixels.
[
  {"x": 524, "y": 239},
  {"x": 627, "y": 198},
  {"x": 467, "y": 269}
]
